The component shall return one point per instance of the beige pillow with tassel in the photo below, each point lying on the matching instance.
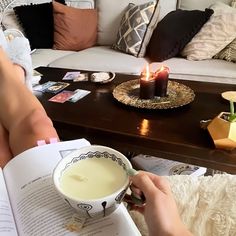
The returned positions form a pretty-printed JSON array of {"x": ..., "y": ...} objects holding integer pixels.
[
  {"x": 229, "y": 52},
  {"x": 215, "y": 35}
]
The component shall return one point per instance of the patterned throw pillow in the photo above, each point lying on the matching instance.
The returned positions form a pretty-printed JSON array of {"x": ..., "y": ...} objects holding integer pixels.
[
  {"x": 229, "y": 52},
  {"x": 136, "y": 28}
]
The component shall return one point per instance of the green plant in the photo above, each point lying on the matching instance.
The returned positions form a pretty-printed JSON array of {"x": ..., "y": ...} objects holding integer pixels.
[{"x": 232, "y": 115}]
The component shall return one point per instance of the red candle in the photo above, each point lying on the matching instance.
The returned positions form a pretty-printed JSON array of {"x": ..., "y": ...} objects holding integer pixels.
[
  {"x": 147, "y": 85},
  {"x": 161, "y": 81}
]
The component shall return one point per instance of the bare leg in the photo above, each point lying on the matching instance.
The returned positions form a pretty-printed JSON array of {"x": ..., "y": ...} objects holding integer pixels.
[
  {"x": 20, "y": 112},
  {"x": 5, "y": 152}
]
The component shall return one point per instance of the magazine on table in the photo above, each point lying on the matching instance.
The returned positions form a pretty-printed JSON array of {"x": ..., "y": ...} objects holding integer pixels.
[
  {"x": 30, "y": 205},
  {"x": 164, "y": 167}
]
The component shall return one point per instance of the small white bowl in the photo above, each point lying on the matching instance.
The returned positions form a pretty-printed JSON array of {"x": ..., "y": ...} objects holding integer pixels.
[
  {"x": 98, "y": 77},
  {"x": 97, "y": 207}
]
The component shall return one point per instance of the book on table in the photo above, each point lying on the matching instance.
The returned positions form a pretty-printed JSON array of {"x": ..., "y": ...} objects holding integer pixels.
[
  {"x": 164, "y": 167},
  {"x": 30, "y": 205}
]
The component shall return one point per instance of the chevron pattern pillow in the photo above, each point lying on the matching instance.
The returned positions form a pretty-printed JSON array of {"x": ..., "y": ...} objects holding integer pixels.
[
  {"x": 136, "y": 28},
  {"x": 229, "y": 52}
]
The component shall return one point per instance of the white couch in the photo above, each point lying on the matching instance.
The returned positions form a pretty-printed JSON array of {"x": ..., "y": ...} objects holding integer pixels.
[{"x": 102, "y": 58}]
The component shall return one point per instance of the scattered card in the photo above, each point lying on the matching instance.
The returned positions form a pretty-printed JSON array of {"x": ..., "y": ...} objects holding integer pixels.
[
  {"x": 78, "y": 94},
  {"x": 57, "y": 87},
  {"x": 81, "y": 77},
  {"x": 71, "y": 75},
  {"x": 43, "y": 87},
  {"x": 62, "y": 96}
]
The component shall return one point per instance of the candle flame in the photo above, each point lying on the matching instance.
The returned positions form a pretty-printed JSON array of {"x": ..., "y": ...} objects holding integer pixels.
[{"x": 147, "y": 72}]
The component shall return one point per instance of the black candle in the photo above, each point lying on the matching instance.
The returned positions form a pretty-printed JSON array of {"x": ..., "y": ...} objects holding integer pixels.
[
  {"x": 161, "y": 81},
  {"x": 147, "y": 85}
]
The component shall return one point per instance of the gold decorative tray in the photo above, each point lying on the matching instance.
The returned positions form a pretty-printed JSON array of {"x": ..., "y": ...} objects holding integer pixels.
[{"x": 177, "y": 95}]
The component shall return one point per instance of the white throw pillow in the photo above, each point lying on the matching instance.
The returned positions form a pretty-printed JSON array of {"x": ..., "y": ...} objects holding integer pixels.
[
  {"x": 218, "y": 32},
  {"x": 199, "y": 4}
]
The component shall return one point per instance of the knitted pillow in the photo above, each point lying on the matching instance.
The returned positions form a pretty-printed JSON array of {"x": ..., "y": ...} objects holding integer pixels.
[
  {"x": 37, "y": 22},
  {"x": 174, "y": 31},
  {"x": 218, "y": 32},
  {"x": 229, "y": 52}
]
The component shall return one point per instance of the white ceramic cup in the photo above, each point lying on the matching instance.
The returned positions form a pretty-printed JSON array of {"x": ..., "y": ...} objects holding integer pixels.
[{"x": 98, "y": 207}]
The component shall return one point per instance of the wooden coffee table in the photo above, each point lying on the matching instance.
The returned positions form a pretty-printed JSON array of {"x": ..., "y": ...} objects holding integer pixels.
[{"x": 173, "y": 134}]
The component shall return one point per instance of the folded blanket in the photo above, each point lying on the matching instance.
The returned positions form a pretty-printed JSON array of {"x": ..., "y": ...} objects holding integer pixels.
[{"x": 206, "y": 204}]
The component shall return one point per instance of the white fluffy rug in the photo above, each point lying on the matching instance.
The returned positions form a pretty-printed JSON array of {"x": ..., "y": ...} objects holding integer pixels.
[{"x": 207, "y": 204}]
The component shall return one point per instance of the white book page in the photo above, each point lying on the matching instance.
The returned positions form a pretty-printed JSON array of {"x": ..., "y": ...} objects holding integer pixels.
[
  {"x": 7, "y": 222},
  {"x": 38, "y": 208}
]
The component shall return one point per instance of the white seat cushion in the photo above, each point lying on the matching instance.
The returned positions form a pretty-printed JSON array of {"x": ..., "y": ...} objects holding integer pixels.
[
  {"x": 43, "y": 57},
  {"x": 101, "y": 58},
  {"x": 212, "y": 70}
]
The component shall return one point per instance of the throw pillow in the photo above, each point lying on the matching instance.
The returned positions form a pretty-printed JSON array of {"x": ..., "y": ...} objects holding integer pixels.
[
  {"x": 229, "y": 52},
  {"x": 136, "y": 28},
  {"x": 74, "y": 29},
  {"x": 37, "y": 23},
  {"x": 218, "y": 32},
  {"x": 174, "y": 31}
]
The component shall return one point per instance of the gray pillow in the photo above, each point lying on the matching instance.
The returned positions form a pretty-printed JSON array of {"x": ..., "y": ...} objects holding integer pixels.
[{"x": 136, "y": 28}]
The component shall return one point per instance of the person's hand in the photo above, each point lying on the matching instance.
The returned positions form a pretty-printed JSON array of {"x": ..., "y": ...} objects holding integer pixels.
[{"x": 160, "y": 210}]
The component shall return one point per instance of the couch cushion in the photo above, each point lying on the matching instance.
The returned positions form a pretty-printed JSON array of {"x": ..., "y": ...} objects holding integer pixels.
[
  {"x": 212, "y": 70},
  {"x": 74, "y": 29},
  {"x": 43, "y": 57},
  {"x": 166, "y": 7},
  {"x": 110, "y": 14},
  {"x": 218, "y": 32},
  {"x": 38, "y": 29},
  {"x": 199, "y": 4},
  {"x": 229, "y": 52},
  {"x": 166, "y": 42},
  {"x": 101, "y": 58},
  {"x": 136, "y": 27}
]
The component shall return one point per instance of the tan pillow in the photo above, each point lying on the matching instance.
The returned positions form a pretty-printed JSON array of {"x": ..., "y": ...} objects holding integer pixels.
[
  {"x": 74, "y": 29},
  {"x": 218, "y": 32},
  {"x": 229, "y": 52}
]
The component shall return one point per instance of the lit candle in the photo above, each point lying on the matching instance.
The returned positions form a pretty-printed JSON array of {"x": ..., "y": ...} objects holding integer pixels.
[
  {"x": 147, "y": 85},
  {"x": 161, "y": 80}
]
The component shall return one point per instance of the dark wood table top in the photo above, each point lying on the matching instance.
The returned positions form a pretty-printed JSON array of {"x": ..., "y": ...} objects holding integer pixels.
[{"x": 173, "y": 134}]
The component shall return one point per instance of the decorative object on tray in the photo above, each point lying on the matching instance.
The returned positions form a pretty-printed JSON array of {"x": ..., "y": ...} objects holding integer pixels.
[
  {"x": 102, "y": 77},
  {"x": 147, "y": 85},
  {"x": 177, "y": 95},
  {"x": 161, "y": 78},
  {"x": 154, "y": 84},
  {"x": 223, "y": 129}
]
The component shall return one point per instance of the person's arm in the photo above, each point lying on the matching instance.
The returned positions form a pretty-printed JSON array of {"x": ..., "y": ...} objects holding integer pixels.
[{"x": 160, "y": 210}]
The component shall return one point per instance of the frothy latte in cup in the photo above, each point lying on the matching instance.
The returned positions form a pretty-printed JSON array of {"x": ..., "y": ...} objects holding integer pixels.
[{"x": 92, "y": 178}]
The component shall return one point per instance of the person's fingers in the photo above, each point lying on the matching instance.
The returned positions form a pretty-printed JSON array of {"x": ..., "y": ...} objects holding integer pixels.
[
  {"x": 147, "y": 182},
  {"x": 144, "y": 183}
]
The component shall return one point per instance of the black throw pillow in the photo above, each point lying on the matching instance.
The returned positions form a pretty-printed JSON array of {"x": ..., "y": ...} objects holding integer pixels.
[
  {"x": 37, "y": 22},
  {"x": 174, "y": 31}
]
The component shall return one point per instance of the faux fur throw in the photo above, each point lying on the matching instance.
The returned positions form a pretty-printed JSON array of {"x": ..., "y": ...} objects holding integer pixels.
[
  {"x": 18, "y": 50},
  {"x": 207, "y": 204}
]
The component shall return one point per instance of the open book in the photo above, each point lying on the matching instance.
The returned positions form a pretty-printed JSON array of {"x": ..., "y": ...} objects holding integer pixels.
[{"x": 29, "y": 204}]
